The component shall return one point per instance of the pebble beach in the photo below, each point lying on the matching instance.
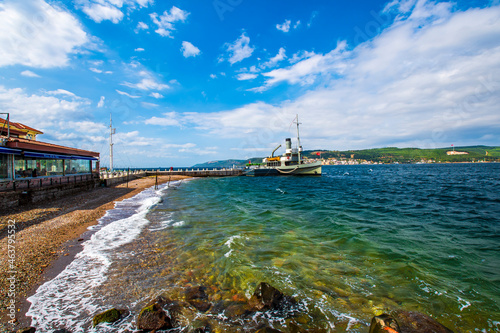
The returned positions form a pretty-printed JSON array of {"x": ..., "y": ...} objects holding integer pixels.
[{"x": 47, "y": 236}]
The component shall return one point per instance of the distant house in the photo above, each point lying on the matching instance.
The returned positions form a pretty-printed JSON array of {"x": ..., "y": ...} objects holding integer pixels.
[
  {"x": 22, "y": 156},
  {"x": 454, "y": 152}
]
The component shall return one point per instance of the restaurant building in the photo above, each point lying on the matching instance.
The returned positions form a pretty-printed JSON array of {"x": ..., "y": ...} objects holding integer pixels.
[{"x": 23, "y": 157}]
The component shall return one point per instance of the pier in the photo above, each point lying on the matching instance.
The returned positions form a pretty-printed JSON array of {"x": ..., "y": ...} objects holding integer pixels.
[
  {"x": 117, "y": 177},
  {"x": 198, "y": 173}
]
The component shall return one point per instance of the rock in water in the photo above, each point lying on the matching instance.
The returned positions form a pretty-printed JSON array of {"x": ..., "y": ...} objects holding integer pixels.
[
  {"x": 197, "y": 297},
  {"x": 153, "y": 317},
  {"x": 268, "y": 330},
  {"x": 266, "y": 297},
  {"x": 416, "y": 322},
  {"x": 26, "y": 330},
  {"x": 406, "y": 322},
  {"x": 384, "y": 324},
  {"x": 108, "y": 316}
]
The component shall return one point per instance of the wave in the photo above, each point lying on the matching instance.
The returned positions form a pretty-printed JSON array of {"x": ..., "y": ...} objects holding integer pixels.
[{"x": 70, "y": 299}]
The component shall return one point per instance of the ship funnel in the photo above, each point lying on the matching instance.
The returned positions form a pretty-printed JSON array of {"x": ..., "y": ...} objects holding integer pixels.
[{"x": 288, "y": 143}]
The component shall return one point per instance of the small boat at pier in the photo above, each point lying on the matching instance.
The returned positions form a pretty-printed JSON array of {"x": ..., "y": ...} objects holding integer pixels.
[{"x": 291, "y": 163}]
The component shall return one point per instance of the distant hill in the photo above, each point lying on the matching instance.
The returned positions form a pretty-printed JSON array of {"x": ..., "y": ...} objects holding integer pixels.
[
  {"x": 414, "y": 155},
  {"x": 221, "y": 164},
  {"x": 384, "y": 155}
]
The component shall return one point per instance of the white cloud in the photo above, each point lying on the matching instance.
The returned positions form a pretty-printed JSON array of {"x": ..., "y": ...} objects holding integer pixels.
[
  {"x": 156, "y": 95},
  {"x": 306, "y": 71},
  {"x": 213, "y": 76},
  {"x": 149, "y": 105},
  {"x": 285, "y": 27},
  {"x": 189, "y": 50},
  {"x": 429, "y": 79},
  {"x": 46, "y": 108},
  {"x": 147, "y": 84},
  {"x": 277, "y": 58},
  {"x": 168, "y": 119},
  {"x": 166, "y": 21},
  {"x": 141, "y": 26},
  {"x": 246, "y": 76},
  {"x": 99, "y": 13},
  {"x": 126, "y": 94},
  {"x": 111, "y": 10},
  {"x": 139, "y": 49},
  {"x": 29, "y": 74},
  {"x": 95, "y": 70},
  {"x": 48, "y": 41},
  {"x": 240, "y": 49},
  {"x": 101, "y": 102},
  {"x": 62, "y": 92}
]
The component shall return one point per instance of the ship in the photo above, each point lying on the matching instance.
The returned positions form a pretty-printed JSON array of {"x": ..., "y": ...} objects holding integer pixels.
[{"x": 291, "y": 163}]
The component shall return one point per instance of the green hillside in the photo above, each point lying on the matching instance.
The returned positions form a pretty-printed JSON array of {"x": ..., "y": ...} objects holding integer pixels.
[
  {"x": 385, "y": 155},
  {"x": 414, "y": 155}
]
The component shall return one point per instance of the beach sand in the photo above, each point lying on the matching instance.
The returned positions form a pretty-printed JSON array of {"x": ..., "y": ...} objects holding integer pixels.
[{"x": 48, "y": 236}]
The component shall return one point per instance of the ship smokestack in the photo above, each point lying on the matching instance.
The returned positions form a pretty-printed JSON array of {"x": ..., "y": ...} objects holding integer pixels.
[{"x": 288, "y": 143}]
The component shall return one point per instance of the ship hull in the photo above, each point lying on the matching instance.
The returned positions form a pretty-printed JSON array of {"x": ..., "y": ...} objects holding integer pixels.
[{"x": 311, "y": 169}]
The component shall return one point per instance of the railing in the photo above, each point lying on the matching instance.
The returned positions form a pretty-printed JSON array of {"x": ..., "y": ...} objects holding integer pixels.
[
  {"x": 198, "y": 173},
  {"x": 39, "y": 182}
]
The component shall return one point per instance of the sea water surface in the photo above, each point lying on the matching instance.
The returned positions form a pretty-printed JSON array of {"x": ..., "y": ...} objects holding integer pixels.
[{"x": 354, "y": 243}]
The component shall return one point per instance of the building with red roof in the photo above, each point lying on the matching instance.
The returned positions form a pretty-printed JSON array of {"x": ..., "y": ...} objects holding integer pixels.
[{"x": 23, "y": 157}]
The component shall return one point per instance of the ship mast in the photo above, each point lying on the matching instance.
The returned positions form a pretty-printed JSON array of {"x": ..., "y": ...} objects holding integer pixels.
[
  {"x": 111, "y": 132},
  {"x": 298, "y": 137}
]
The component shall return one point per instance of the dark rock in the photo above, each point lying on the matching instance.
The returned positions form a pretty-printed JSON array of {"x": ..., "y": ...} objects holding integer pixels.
[
  {"x": 61, "y": 330},
  {"x": 200, "y": 305},
  {"x": 268, "y": 330},
  {"x": 201, "y": 326},
  {"x": 266, "y": 297},
  {"x": 384, "y": 324},
  {"x": 177, "y": 311},
  {"x": 237, "y": 309},
  {"x": 197, "y": 297},
  {"x": 196, "y": 293},
  {"x": 26, "y": 330},
  {"x": 416, "y": 322},
  {"x": 108, "y": 316},
  {"x": 153, "y": 317}
]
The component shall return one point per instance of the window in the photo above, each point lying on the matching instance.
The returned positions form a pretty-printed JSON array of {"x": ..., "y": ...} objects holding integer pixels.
[{"x": 4, "y": 166}]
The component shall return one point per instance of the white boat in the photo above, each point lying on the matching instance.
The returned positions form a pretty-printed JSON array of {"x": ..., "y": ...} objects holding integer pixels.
[{"x": 291, "y": 163}]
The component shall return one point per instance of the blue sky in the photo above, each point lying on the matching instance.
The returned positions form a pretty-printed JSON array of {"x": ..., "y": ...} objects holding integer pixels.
[{"x": 192, "y": 81}]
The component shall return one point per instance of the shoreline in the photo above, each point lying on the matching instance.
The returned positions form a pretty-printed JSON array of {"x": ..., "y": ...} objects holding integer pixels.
[{"x": 49, "y": 235}]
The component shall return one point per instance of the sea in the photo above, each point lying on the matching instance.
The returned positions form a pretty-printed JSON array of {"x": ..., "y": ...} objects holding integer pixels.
[{"x": 358, "y": 241}]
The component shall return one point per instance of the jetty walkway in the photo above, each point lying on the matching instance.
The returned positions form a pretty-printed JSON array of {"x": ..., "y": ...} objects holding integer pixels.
[{"x": 116, "y": 177}]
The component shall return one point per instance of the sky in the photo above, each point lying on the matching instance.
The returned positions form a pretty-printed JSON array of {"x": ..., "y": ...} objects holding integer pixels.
[{"x": 190, "y": 81}]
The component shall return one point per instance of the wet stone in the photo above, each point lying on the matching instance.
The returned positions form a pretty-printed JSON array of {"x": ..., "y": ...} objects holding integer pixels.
[
  {"x": 268, "y": 330},
  {"x": 416, "y": 322},
  {"x": 266, "y": 297},
  {"x": 26, "y": 330},
  {"x": 153, "y": 317},
  {"x": 197, "y": 297},
  {"x": 108, "y": 316},
  {"x": 383, "y": 324}
]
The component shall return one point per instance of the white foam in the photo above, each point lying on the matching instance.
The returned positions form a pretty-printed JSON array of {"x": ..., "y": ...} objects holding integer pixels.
[
  {"x": 464, "y": 303},
  {"x": 70, "y": 299}
]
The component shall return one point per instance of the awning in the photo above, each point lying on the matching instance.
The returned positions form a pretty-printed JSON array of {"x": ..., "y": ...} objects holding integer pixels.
[
  {"x": 48, "y": 156},
  {"x": 88, "y": 158},
  {"x": 5, "y": 150}
]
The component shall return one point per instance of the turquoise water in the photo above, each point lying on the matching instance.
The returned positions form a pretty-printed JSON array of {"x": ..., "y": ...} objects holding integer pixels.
[{"x": 356, "y": 242}]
